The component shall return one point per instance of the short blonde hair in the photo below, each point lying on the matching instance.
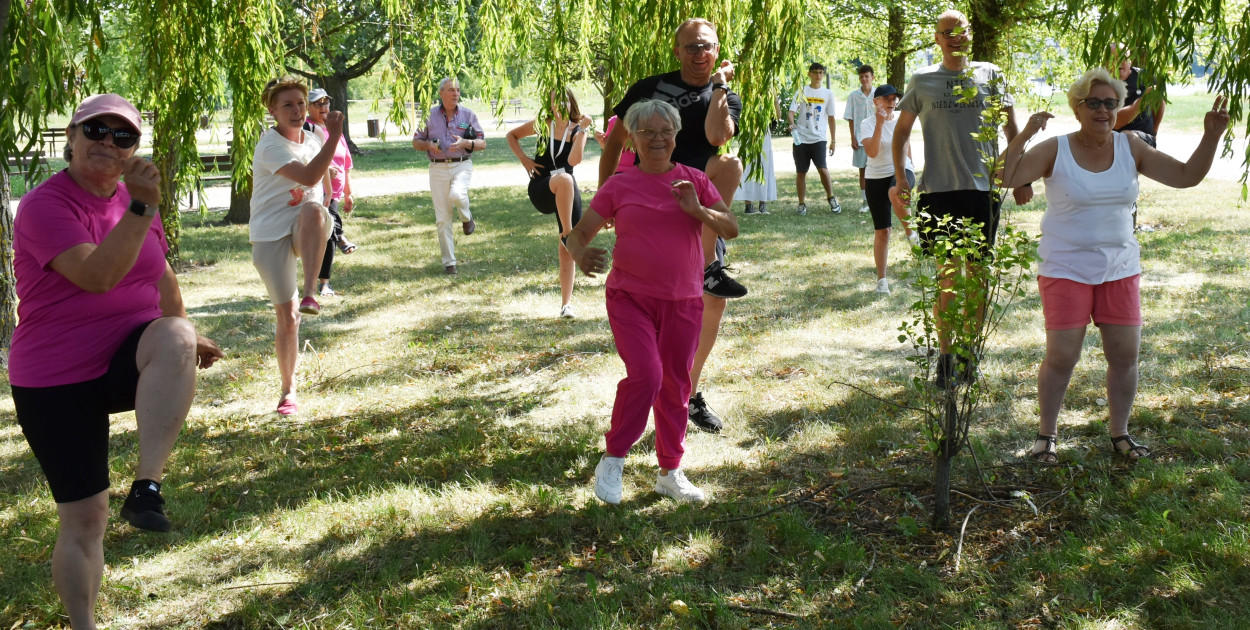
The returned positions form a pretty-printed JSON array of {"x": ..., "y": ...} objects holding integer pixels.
[
  {"x": 646, "y": 108},
  {"x": 691, "y": 23},
  {"x": 280, "y": 85},
  {"x": 1081, "y": 89},
  {"x": 951, "y": 14}
]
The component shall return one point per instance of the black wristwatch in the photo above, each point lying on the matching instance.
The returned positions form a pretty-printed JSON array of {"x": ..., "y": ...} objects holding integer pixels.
[
  {"x": 720, "y": 86},
  {"x": 142, "y": 209}
]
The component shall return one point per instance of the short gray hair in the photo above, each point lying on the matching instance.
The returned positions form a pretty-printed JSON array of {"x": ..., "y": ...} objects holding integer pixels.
[
  {"x": 1080, "y": 90},
  {"x": 646, "y": 108},
  {"x": 442, "y": 84}
]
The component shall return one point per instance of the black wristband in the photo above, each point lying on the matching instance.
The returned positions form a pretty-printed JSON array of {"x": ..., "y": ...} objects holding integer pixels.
[
  {"x": 722, "y": 86},
  {"x": 142, "y": 209}
]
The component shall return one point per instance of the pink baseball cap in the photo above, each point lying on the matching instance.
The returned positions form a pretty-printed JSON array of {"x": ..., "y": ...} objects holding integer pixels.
[{"x": 105, "y": 104}]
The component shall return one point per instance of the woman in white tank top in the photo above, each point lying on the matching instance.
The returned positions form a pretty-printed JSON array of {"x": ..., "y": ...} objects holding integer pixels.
[{"x": 1090, "y": 259}]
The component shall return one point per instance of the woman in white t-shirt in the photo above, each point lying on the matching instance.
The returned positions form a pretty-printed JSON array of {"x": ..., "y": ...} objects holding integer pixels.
[
  {"x": 1090, "y": 264},
  {"x": 876, "y": 133},
  {"x": 290, "y": 185}
]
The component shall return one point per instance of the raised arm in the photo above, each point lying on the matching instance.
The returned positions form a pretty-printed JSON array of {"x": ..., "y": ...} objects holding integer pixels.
[
  {"x": 1021, "y": 168},
  {"x": 611, "y": 157},
  {"x": 310, "y": 174},
  {"x": 719, "y": 126},
  {"x": 1170, "y": 171},
  {"x": 579, "y": 141}
]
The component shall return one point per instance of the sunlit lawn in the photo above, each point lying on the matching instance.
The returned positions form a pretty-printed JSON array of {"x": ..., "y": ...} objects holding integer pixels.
[{"x": 440, "y": 473}]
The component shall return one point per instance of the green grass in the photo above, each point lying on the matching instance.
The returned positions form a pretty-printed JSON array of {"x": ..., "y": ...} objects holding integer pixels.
[{"x": 440, "y": 475}]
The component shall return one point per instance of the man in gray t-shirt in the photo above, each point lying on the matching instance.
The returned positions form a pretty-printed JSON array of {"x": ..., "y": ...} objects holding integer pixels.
[{"x": 956, "y": 181}]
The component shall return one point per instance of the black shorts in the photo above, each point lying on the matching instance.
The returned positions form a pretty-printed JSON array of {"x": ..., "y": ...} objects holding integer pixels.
[
  {"x": 545, "y": 201},
  {"x": 67, "y": 426},
  {"x": 970, "y": 205},
  {"x": 813, "y": 153},
  {"x": 878, "y": 193}
]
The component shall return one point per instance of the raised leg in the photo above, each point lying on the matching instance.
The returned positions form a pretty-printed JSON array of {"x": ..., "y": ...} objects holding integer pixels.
[{"x": 166, "y": 362}]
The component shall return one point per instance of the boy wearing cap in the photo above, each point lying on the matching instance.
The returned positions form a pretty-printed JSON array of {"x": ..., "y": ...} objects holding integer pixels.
[
  {"x": 814, "y": 105},
  {"x": 876, "y": 133},
  {"x": 859, "y": 107}
]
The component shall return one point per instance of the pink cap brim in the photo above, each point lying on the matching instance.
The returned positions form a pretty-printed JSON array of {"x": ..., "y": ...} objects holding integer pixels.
[{"x": 108, "y": 105}]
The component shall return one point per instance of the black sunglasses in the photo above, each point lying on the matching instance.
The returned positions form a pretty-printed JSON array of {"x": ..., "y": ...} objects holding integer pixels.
[
  {"x": 123, "y": 138},
  {"x": 1095, "y": 103}
]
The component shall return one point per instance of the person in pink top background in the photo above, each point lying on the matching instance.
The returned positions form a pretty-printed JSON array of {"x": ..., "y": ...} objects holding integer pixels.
[
  {"x": 654, "y": 292},
  {"x": 101, "y": 329},
  {"x": 341, "y": 202},
  {"x": 628, "y": 157}
]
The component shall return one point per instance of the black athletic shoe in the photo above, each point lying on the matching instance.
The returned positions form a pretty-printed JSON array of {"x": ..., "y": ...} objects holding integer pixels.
[
  {"x": 702, "y": 416},
  {"x": 717, "y": 283},
  {"x": 143, "y": 506}
]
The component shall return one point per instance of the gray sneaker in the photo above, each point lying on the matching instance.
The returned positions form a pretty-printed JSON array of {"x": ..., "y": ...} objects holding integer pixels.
[
  {"x": 834, "y": 206},
  {"x": 608, "y": 478},
  {"x": 802, "y": 208},
  {"x": 675, "y": 485},
  {"x": 763, "y": 208}
]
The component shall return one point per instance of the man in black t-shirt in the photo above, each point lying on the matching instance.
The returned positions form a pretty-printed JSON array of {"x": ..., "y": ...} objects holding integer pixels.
[
  {"x": 709, "y": 120},
  {"x": 1133, "y": 117}
]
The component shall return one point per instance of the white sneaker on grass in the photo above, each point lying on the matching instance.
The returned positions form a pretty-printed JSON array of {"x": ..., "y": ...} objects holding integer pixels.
[
  {"x": 883, "y": 286},
  {"x": 864, "y": 208},
  {"x": 566, "y": 312},
  {"x": 675, "y": 485},
  {"x": 914, "y": 238},
  {"x": 608, "y": 478}
]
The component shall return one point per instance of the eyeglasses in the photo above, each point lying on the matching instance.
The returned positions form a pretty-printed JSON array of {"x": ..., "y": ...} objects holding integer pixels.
[
  {"x": 1095, "y": 103},
  {"x": 694, "y": 49},
  {"x": 668, "y": 133},
  {"x": 122, "y": 138},
  {"x": 952, "y": 33}
]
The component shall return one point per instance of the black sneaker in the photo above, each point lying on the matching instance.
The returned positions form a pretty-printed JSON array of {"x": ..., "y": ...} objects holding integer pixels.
[
  {"x": 717, "y": 283},
  {"x": 143, "y": 506},
  {"x": 702, "y": 416},
  {"x": 945, "y": 378},
  {"x": 750, "y": 208},
  {"x": 763, "y": 208},
  {"x": 802, "y": 209}
]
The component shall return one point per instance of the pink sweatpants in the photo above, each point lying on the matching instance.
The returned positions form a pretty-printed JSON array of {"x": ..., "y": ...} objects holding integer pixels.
[{"x": 656, "y": 339}]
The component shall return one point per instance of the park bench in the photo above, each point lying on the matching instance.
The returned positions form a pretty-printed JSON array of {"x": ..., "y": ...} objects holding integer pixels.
[
  {"x": 213, "y": 168},
  {"x": 50, "y": 136},
  {"x": 25, "y": 163},
  {"x": 515, "y": 104}
]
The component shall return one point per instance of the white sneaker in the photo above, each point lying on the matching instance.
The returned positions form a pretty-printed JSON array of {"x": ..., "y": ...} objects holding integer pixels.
[
  {"x": 608, "y": 479},
  {"x": 914, "y": 238},
  {"x": 863, "y": 209},
  {"x": 675, "y": 485},
  {"x": 566, "y": 312},
  {"x": 883, "y": 286}
]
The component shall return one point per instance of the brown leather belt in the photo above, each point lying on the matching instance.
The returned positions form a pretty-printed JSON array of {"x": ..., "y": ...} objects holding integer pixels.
[{"x": 459, "y": 159}]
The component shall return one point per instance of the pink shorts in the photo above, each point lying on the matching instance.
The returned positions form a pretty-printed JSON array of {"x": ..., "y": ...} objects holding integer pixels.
[{"x": 1068, "y": 304}]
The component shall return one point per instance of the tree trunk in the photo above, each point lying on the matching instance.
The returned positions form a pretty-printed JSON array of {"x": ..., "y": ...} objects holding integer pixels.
[
  {"x": 986, "y": 20},
  {"x": 947, "y": 449},
  {"x": 240, "y": 193},
  {"x": 896, "y": 71},
  {"x": 8, "y": 282},
  {"x": 336, "y": 87}
]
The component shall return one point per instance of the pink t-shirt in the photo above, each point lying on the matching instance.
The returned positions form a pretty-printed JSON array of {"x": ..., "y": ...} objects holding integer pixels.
[
  {"x": 658, "y": 250},
  {"x": 65, "y": 334},
  {"x": 627, "y": 157},
  {"x": 342, "y": 160}
]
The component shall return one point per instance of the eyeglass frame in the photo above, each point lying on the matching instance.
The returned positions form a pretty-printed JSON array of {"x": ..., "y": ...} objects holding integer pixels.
[
  {"x": 952, "y": 33},
  {"x": 696, "y": 48},
  {"x": 1111, "y": 104},
  {"x": 668, "y": 133},
  {"x": 126, "y": 140}
]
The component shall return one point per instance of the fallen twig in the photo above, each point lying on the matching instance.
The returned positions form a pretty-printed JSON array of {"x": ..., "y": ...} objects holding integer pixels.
[
  {"x": 876, "y": 397},
  {"x": 959, "y": 550},
  {"x": 231, "y": 588},
  {"x": 986, "y": 502}
]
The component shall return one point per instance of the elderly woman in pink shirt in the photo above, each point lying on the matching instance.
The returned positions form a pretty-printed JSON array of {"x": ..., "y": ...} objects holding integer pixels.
[{"x": 654, "y": 292}]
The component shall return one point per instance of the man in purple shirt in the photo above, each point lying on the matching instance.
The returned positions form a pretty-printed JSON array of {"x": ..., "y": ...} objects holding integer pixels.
[{"x": 450, "y": 136}]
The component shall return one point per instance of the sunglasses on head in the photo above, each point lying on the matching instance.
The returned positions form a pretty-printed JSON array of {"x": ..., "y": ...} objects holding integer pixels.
[
  {"x": 1095, "y": 103},
  {"x": 123, "y": 138}
]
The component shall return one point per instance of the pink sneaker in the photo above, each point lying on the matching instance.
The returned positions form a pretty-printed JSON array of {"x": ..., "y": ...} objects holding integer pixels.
[
  {"x": 287, "y": 407},
  {"x": 309, "y": 306}
]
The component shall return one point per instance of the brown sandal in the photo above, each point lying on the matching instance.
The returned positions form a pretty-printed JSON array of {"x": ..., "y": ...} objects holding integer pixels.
[
  {"x": 1132, "y": 451},
  {"x": 1048, "y": 456}
]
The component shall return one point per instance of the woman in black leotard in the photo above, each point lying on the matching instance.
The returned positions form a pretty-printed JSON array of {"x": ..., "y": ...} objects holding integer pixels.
[{"x": 553, "y": 189}]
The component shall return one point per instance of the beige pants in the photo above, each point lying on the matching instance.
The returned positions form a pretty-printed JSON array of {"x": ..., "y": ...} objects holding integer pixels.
[{"x": 449, "y": 185}]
